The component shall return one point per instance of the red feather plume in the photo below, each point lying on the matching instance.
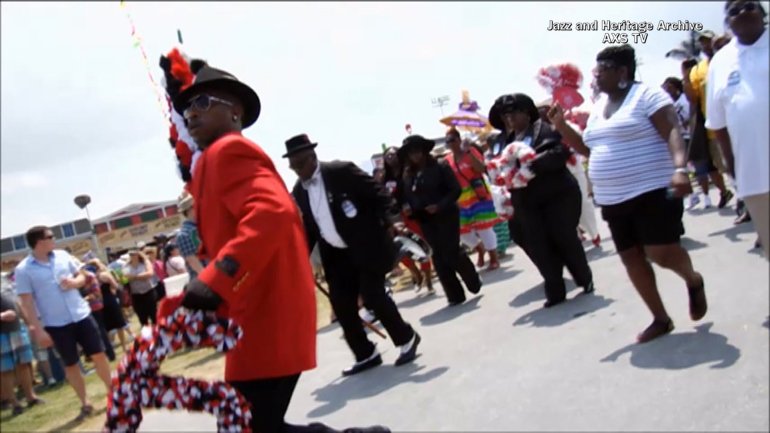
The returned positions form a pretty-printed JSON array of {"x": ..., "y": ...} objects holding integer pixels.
[{"x": 180, "y": 68}]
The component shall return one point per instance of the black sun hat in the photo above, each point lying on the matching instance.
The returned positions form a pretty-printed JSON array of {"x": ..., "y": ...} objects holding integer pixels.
[
  {"x": 211, "y": 78},
  {"x": 415, "y": 142}
]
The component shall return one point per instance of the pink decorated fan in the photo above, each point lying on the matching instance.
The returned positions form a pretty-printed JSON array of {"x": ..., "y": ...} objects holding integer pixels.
[{"x": 562, "y": 82}]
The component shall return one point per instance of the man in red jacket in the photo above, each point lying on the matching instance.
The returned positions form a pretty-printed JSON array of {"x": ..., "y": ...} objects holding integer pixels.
[{"x": 251, "y": 229}]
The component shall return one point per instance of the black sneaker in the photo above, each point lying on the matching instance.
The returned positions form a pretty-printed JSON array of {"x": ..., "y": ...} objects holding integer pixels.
[{"x": 724, "y": 199}]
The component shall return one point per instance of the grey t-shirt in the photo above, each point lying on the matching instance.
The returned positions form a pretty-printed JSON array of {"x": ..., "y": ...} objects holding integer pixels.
[{"x": 138, "y": 287}]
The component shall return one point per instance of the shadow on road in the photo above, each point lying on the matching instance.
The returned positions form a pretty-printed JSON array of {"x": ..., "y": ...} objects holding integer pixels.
[
  {"x": 451, "y": 312},
  {"x": 767, "y": 323},
  {"x": 336, "y": 395},
  {"x": 680, "y": 351},
  {"x": 419, "y": 298},
  {"x": 578, "y": 306},
  {"x": 535, "y": 294},
  {"x": 498, "y": 275},
  {"x": 691, "y": 244},
  {"x": 599, "y": 253},
  {"x": 732, "y": 233}
]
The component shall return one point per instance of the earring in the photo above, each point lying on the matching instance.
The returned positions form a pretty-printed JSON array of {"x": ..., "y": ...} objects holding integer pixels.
[
  {"x": 622, "y": 84},
  {"x": 235, "y": 118}
]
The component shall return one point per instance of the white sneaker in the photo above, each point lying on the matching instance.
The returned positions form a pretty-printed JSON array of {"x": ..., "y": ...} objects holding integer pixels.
[
  {"x": 694, "y": 201},
  {"x": 367, "y": 315},
  {"x": 706, "y": 201}
]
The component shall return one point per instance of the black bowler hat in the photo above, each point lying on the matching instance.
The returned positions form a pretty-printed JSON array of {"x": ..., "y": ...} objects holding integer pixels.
[
  {"x": 211, "y": 78},
  {"x": 415, "y": 142},
  {"x": 298, "y": 144}
]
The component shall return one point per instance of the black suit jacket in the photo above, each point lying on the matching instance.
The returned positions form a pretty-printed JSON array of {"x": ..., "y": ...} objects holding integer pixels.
[
  {"x": 365, "y": 233},
  {"x": 552, "y": 177}
]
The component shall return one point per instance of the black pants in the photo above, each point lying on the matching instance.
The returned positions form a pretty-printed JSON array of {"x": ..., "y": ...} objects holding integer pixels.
[
  {"x": 442, "y": 233},
  {"x": 160, "y": 290},
  {"x": 145, "y": 307},
  {"x": 549, "y": 231},
  {"x": 108, "y": 349},
  {"x": 346, "y": 281},
  {"x": 269, "y": 400}
]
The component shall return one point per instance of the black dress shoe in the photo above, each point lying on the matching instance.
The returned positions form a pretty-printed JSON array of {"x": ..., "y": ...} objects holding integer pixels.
[
  {"x": 456, "y": 302},
  {"x": 367, "y": 364},
  {"x": 476, "y": 289},
  {"x": 410, "y": 355},
  {"x": 549, "y": 304},
  {"x": 589, "y": 288}
]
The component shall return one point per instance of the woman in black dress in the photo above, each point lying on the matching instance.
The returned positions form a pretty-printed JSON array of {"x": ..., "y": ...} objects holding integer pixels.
[
  {"x": 113, "y": 313},
  {"x": 430, "y": 192}
]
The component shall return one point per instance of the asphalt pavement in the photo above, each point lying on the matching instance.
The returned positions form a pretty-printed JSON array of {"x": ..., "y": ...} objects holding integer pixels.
[{"x": 500, "y": 362}]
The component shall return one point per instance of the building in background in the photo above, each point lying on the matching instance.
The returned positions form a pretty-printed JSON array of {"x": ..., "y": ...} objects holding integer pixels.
[
  {"x": 76, "y": 236},
  {"x": 137, "y": 223},
  {"x": 114, "y": 233}
]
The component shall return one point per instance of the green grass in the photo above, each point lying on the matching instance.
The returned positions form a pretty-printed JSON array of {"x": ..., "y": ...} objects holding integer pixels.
[{"x": 62, "y": 406}]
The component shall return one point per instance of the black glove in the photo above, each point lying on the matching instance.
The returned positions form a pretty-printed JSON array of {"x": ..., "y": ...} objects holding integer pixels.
[{"x": 199, "y": 296}]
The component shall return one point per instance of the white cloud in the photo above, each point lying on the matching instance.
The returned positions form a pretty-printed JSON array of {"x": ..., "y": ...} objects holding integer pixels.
[
  {"x": 351, "y": 75},
  {"x": 22, "y": 182}
]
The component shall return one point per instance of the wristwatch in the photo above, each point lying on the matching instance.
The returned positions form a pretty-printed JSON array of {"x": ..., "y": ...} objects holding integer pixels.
[{"x": 682, "y": 170}]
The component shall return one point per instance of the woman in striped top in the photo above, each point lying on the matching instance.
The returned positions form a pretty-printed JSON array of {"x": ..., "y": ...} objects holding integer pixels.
[{"x": 637, "y": 166}]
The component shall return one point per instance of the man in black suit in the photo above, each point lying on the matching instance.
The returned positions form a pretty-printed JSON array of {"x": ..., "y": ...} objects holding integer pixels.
[{"x": 350, "y": 216}]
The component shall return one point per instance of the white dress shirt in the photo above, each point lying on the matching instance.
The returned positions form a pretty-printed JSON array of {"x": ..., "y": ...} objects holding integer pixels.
[{"x": 319, "y": 206}]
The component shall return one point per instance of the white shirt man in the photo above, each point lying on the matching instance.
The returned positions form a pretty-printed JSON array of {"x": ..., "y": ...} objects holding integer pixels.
[{"x": 737, "y": 99}]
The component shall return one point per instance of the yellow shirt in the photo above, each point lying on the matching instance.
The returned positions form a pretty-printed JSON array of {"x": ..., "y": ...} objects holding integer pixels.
[{"x": 698, "y": 76}]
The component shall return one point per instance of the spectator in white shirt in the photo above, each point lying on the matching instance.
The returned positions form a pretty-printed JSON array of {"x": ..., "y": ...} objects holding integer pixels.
[
  {"x": 737, "y": 109},
  {"x": 175, "y": 264}
]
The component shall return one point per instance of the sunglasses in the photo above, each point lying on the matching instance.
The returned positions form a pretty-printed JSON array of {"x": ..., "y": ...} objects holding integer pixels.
[
  {"x": 203, "y": 102},
  {"x": 745, "y": 7}
]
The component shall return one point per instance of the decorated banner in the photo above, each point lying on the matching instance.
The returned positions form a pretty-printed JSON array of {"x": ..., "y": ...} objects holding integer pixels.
[{"x": 562, "y": 83}]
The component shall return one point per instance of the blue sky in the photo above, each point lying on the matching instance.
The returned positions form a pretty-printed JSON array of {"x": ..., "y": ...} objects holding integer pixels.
[{"x": 79, "y": 115}]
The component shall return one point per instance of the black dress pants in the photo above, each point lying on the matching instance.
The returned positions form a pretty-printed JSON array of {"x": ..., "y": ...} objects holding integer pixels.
[
  {"x": 346, "y": 281},
  {"x": 442, "y": 232},
  {"x": 269, "y": 400},
  {"x": 549, "y": 229}
]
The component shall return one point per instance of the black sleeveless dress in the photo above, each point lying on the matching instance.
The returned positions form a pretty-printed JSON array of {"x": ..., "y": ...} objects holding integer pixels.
[{"x": 113, "y": 315}]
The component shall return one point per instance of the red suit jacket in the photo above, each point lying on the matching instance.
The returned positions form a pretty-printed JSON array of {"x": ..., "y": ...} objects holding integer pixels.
[{"x": 252, "y": 230}]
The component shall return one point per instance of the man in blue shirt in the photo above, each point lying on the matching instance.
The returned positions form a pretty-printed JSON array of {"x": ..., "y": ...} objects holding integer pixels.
[{"x": 46, "y": 282}]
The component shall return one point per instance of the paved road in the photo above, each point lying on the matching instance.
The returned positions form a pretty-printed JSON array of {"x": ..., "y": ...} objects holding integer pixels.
[{"x": 500, "y": 362}]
